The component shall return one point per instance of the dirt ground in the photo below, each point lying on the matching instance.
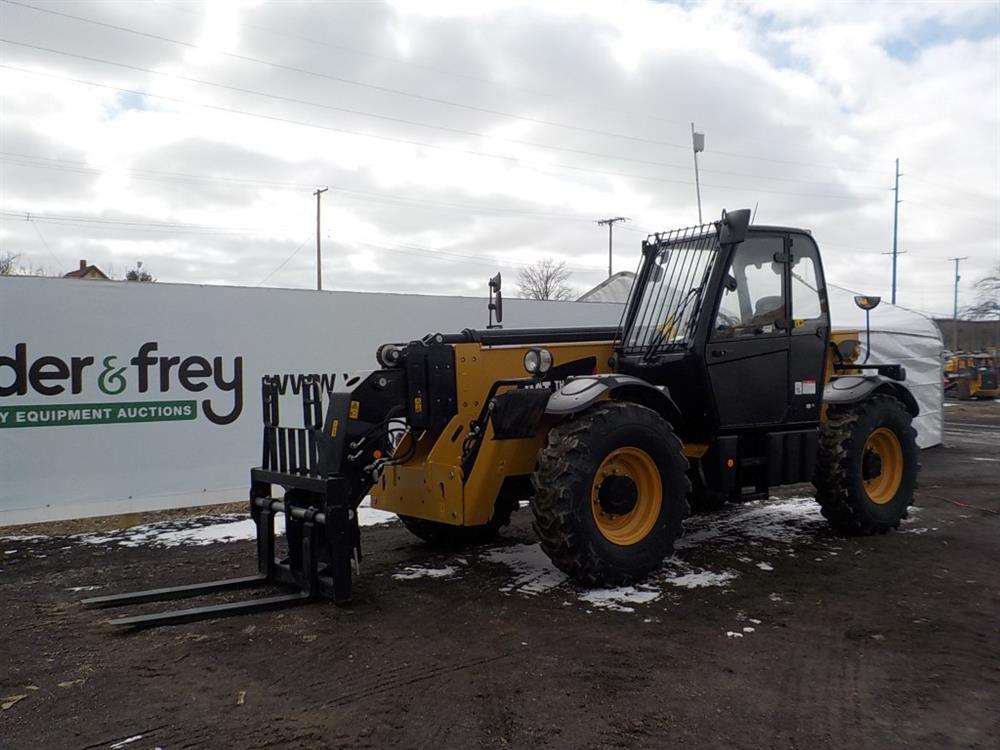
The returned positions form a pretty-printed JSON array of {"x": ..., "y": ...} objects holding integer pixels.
[{"x": 765, "y": 631}]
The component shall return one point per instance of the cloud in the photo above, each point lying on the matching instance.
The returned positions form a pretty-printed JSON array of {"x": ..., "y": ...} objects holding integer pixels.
[{"x": 462, "y": 138}]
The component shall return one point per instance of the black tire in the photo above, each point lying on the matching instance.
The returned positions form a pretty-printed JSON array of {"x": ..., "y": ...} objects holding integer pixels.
[
  {"x": 446, "y": 536},
  {"x": 845, "y": 459},
  {"x": 565, "y": 508},
  {"x": 964, "y": 390}
]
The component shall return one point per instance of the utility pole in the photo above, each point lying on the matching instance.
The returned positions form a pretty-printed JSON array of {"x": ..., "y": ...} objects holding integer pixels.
[
  {"x": 319, "y": 255},
  {"x": 895, "y": 229},
  {"x": 698, "y": 145},
  {"x": 954, "y": 342},
  {"x": 611, "y": 226}
]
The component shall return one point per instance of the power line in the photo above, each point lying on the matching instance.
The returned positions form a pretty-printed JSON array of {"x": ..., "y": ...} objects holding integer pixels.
[
  {"x": 339, "y": 79},
  {"x": 126, "y": 224},
  {"x": 191, "y": 228},
  {"x": 46, "y": 244},
  {"x": 399, "y": 92},
  {"x": 589, "y": 102},
  {"x": 275, "y": 118},
  {"x": 284, "y": 262},
  {"x": 415, "y": 123},
  {"x": 159, "y": 176}
]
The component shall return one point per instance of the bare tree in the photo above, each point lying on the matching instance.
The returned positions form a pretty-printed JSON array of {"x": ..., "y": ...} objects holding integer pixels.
[
  {"x": 8, "y": 264},
  {"x": 546, "y": 279},
  {"x": 987, "y": 305}
]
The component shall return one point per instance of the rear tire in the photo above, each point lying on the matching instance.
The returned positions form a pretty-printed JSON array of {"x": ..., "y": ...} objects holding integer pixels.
[
  {"x": 964, "y": 390},
  {"x": 611, "y": 491},
  {"x": 867, "y": 466}
]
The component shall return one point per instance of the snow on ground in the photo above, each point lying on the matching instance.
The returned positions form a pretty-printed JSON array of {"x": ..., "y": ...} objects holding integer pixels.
[
  {"x": 410, "y": 572},
  {"x": 535, "y": 574},
  {"x": 766, "y": 528},
  {"x": 788, "y": 520},
  {"x": 201, "y": 530}
]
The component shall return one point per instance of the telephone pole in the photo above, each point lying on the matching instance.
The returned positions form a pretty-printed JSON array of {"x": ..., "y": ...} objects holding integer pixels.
[
  {"x": 611, "y": 226},
  {"x": 319, "y": 255},
  {"x": 698, "y": 145},
  {"x": 895, "y": 229},
  {"x": 954, "y": 342}
]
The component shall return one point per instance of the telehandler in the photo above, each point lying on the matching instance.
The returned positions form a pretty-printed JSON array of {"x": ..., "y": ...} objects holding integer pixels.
[
  {"x": 722, "y": 380},
  {"x": 969, "y": 376}
]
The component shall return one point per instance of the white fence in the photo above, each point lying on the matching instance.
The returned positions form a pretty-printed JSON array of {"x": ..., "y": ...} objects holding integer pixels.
[{"x": 118, "y": 397}]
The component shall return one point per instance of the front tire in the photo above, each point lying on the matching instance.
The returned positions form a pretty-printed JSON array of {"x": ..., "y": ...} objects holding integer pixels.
[
  {"x": 611, "y": 491},
  {"x": 867, "y": 466},
  {"x": 447, "y": 536}
]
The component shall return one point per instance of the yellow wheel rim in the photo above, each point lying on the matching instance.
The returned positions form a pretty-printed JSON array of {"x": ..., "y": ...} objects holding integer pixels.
[
  {"x": 882, "y": 487},
  {"x": 633, "y": 525}
]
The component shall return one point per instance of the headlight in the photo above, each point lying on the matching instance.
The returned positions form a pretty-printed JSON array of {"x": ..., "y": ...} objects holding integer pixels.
[{"x": 537, "y": 361}]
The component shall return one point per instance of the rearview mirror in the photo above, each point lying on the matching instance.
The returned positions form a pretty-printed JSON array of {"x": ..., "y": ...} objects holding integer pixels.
[
  {"x": 866, "y": 302},
  {"x": 496, "y": 302}
]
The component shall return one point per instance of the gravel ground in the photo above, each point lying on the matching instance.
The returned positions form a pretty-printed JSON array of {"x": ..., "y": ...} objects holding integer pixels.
[{"x": 765, "y": 631}]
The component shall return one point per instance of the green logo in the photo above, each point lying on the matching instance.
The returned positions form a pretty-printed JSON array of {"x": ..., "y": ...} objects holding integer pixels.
[
  {"x": 64, "y": 415},
  {"x": 111, "y": 380}
]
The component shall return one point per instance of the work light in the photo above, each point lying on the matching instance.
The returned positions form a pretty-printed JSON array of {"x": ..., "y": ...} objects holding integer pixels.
[{"x": 537, "y": 361}]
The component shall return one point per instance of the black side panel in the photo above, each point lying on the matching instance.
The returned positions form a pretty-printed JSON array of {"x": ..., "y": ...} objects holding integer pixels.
[
  {"x": 791, "y": 456},
  {"x": 517, "y": 413},
  {"x": 721, "y": 465},
  {"x": 750, "y": 380},
  {"x": 432, "y": 397}
]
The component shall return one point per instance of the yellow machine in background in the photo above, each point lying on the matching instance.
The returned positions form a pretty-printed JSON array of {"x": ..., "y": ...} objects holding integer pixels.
[{"x": 969, "y": 376}]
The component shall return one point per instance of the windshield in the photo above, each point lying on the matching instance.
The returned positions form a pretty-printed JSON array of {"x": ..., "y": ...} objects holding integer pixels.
[{"x": 663, "y": 312}]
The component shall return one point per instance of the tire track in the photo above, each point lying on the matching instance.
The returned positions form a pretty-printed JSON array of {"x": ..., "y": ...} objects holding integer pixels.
[{"x": 406, "y": 679}]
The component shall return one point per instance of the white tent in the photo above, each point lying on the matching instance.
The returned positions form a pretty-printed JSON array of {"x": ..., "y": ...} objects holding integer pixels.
[{"x": 899, "y": 336}]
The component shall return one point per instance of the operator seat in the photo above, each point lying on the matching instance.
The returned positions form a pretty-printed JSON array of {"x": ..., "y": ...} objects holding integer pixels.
[{"x": 768, "y": 311}]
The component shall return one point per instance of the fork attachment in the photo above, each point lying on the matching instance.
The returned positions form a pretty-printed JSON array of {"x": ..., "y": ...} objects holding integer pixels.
[{"x": 321, "y": 526}]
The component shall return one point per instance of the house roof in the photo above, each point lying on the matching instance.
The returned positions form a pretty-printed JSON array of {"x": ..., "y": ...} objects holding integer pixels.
[{"x": 87, "y": 270}]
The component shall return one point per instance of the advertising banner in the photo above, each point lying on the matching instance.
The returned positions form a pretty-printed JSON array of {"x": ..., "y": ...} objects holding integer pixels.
[{"x": 120, "y": 397}]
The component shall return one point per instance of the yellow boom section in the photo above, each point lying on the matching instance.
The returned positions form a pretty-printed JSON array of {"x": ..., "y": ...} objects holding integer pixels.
[{"x": 431, "y": 484}]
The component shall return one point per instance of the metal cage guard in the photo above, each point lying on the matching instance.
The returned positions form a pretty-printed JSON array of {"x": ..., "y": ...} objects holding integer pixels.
[
  {"x": 667, "y": 294},
  {"x": 321, "y": 526}
]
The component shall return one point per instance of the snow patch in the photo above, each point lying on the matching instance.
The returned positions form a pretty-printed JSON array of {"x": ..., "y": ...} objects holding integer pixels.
[
  {"x": 411, "y": 572},
  {"x": 700, "y": 579},
  {"x": 201, "y": 530},
  {"x": 785, "y": 520},
  {"x": 768, "y": 566},
  {"x": 127, "y": 741},
  {"x": 534, "y": 572},
  {"x": 621, "y": 598}
]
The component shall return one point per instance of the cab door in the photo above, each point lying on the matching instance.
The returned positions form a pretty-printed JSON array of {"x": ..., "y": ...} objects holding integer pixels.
[
  {"x": 810, "y": 329},
  {"x": 748, "y": 349}
]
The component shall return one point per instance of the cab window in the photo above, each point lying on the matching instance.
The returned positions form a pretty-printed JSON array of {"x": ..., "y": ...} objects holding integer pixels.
[
  {"x": 753, "y": 295},
  {"x": 808, "y": 292}
]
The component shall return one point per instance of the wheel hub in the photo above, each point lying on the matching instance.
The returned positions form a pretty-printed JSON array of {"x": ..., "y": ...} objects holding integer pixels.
[
  {"x": 871, "y": 465},
  {"x": 882, "y": 465},
  {"x": 626, "y": 495},
  {"x": 617, "y": 495}
]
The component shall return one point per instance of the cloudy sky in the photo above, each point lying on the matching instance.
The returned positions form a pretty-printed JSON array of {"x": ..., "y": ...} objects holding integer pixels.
[{"x": 462, "y": 138}]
